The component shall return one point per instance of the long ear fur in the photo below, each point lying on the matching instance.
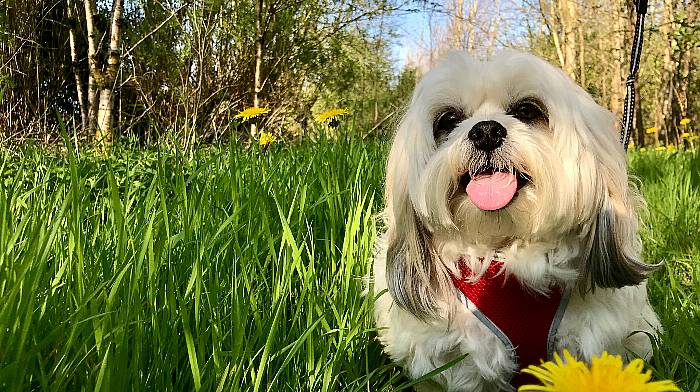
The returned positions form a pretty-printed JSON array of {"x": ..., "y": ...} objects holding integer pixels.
[
  {"x": 614, "y": 257},
  {"x": 416, "y": 277},
  {"x": 613, "y": 260},
  {"x": 413, "y": 271}
]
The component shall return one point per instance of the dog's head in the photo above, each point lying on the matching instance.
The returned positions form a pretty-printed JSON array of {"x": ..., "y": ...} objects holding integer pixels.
[{"x": 504, "y": 150}]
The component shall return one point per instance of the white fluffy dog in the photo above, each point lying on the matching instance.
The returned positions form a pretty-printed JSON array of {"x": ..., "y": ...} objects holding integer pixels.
[{"x": 511, "y": 230}]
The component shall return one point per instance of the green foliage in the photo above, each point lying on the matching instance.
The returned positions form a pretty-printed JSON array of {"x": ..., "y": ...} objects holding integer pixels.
[
  {"x": 233, "y": 269},
  {"x": 670, "y": 184},
  {"x": 197, "y": 70},
  {"x": 188, "y": 67}
]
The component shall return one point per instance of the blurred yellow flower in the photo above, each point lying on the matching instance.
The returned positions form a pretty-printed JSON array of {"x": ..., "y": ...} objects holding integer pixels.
[
  {"x": 606, "y": 373},
  {"x": 694, "y": 137},
  {"x": 266, "y": 138},
  {"x": 670, "y": 148},
  {"x": 685, "y": 134},
  {"x": 643, "y": 149},
  {"x": 651, "y": 130},
  {"x": 251, "y": 113},
  {"x": 331, "y": 115},
  {"x": 685, "y": 121},
  {"x": 661, "y": 148}
]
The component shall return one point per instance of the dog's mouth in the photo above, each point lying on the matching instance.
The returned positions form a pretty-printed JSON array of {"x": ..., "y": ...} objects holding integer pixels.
[{"x": 491, "y": 189}]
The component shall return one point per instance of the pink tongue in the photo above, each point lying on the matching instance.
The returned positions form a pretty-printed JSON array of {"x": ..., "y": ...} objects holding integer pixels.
[{"x": 492, "y": 191}]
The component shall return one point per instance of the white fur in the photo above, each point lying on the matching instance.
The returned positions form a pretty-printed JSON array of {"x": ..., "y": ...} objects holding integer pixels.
[{"x": 578, "y": 169}]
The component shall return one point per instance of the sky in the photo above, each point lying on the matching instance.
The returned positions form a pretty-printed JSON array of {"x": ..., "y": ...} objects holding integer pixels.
[{"x": 413, "y": 30}]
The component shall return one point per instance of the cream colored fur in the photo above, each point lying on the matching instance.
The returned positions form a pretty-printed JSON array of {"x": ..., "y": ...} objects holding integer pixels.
[{"x": 579, "y": 176}]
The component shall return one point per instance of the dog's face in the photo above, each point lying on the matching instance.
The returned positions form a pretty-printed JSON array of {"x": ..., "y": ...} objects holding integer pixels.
[{"x": 510, "y": 149}]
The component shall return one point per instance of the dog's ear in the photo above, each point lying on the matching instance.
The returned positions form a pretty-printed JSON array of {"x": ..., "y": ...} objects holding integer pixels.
[
  {"x": 614, "y": 254},
  {"x": 412, "y": 268},
  {"x": 415, "y": 276},
  {"x": 614, "y": 257}
]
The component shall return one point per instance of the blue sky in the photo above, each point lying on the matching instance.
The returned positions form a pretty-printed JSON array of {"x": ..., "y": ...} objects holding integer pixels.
[{"x": 413, "y": 29}]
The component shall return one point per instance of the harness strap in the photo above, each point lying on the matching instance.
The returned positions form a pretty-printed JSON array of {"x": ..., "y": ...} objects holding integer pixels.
[{"x": 525, "y": 321}]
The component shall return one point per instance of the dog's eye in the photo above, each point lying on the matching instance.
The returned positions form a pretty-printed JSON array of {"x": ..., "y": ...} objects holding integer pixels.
[
  {"x": 446, "y": 121},
  {"x": 528, "y": 111}
]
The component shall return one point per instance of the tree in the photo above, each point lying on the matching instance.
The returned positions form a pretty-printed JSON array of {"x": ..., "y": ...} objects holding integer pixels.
[{"x": 103, "y": 74}]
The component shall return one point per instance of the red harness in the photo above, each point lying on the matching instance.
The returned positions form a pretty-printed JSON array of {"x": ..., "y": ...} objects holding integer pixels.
[{"x": 525, "y": 321}]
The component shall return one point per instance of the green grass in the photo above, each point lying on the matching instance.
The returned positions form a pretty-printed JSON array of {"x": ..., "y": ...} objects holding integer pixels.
[{"x": 230, "y": 269}]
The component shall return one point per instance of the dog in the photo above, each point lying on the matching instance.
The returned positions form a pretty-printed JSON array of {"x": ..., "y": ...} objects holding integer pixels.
[{"x": 510, "y": 228}]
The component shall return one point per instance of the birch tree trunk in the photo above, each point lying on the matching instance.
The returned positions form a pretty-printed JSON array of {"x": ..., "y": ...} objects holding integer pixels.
[
  {"x": 106, "y": 106},
  {"x": 103, "y": 76},
  {"x": 257, "y": 82},
  {"x": 79, "y": 88},
  {"x": 94, "y": 73}
]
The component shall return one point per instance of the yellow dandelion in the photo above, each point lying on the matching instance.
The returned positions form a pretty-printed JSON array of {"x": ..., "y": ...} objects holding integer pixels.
[
  {"x": 251, "y": 113},
  {"x": 643, "y": 149},
  {"x": 685, "y": 134},
  {"x": 685, "y": 121},
  {"x": 661, "y": 148},
  {"x": 331, "y": 116},
  {"x": 670, "y": 148},
  {"x": 606, "y": 374},
  {"x": 694, "y": 137},
  {"x": 266, "y": 138},
  {"x": 651, "y": 130}
]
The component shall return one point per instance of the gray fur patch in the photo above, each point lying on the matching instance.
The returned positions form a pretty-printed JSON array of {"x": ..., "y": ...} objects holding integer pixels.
[
  {"x": 411, "y": 271},
  {"x": 607, "y": 265}
]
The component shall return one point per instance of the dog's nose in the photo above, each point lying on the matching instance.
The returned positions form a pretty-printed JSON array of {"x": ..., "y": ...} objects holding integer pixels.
[{"x": 487, "y": 135}]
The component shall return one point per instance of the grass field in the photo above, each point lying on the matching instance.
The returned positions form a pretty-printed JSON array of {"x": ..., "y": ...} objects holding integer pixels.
[{"x": 232, "y": 269}]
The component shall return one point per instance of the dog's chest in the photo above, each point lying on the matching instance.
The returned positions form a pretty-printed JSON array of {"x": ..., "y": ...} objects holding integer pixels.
[{"x": 525, "y": 321}]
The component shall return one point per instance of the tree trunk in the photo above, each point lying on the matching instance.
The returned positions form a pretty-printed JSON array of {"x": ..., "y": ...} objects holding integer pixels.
[
  {"x": 686, "y": 60},
  {"x": 569, "y": 21},
  {"x": 94, "y": 73},
  {"x": 663, "y": 113},
  {"x": 617, "y": 91},
  {"x": 257, "y": 86},
  {"x": 102, "y": 78},
  {"x": 471, "y": 22},
  {"x": 103, "y": 133},
  {"x": 493, "y": 33},
  {"x": 638, "y": 117},
  {"x": 457, "y": 33},
  {"x": 106, "y": 107},
  {"x": 582, "y": 55},
  {"x": 602, "y": 53},
  {"x": 553, "y": 32},
  {"x": 79, "y": 88}
]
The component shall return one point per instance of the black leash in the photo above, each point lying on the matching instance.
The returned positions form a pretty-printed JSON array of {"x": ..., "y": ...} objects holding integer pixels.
[{"x": 628, "y": 113}]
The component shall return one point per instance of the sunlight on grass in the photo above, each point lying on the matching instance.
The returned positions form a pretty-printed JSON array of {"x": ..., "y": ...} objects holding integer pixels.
[{"x": 237, "y": 270}]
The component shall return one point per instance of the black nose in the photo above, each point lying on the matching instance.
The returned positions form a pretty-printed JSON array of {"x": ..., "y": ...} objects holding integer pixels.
[{"x": 487, "y": 135}]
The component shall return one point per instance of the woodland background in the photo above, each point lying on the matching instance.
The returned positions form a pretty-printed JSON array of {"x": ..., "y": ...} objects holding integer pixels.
[
  {"x": 182, "y": 69},
  {"x": 194, "y": 256}
]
